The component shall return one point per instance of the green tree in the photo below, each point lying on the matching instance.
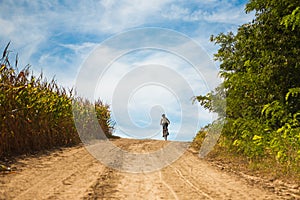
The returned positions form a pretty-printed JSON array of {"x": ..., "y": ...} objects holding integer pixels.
[{"x": 260, "y": 65}]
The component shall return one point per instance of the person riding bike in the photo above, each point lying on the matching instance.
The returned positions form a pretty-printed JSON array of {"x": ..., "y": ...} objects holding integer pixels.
[{"x": 165, "y": 122}]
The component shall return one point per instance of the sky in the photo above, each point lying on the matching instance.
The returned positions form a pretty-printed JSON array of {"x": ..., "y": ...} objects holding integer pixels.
[{"x": 143, "y": 58}]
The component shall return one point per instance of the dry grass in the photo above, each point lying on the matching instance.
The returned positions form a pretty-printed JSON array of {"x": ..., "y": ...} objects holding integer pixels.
[{"x": 265, "y": 168}]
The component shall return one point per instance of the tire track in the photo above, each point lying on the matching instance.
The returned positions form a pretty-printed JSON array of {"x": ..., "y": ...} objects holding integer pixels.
[
  {"x": 191, "y": 184},
  {"x": 168, "y": 186},
  {"x": 35, "y": 168},
  {"x": 214, "y": 183},
  {"x": 50, "y": 179},
  {"x": 53, "y": 176},
  {"x": 105, "y": 186},
  {"x": 74, "y": 174}
]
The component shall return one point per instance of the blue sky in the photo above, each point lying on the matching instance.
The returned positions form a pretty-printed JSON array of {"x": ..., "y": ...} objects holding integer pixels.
[{"x": 57, "y": 37}]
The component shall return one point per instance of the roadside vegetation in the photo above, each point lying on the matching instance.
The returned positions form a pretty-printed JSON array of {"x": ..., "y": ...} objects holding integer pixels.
[
  {"x": 36, "y": 114},
  {"x": 259, "y": 100}
]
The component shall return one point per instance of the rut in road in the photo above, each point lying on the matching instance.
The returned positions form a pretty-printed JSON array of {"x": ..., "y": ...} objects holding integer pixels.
[
  {"x": 73, "y": 173},
  {"x": 187, "y": 178}
]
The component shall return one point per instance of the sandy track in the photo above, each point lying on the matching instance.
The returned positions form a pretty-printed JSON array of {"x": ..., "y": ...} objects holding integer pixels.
[
  {"x": 60, "y": 175},
  {"x": 73, "y": 173}
]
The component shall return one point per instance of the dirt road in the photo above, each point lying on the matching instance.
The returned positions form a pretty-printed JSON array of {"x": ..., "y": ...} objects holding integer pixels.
[{"x": 72, "y": 173}]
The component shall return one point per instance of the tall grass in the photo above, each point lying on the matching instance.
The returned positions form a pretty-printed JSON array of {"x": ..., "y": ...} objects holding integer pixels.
[{"x": 36, "y": 114}]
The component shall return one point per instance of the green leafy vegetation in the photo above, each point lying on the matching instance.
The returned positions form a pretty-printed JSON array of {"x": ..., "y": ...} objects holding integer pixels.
[
  {"x": 36, "y": 114},
  {"x": 260, "y": 65}
]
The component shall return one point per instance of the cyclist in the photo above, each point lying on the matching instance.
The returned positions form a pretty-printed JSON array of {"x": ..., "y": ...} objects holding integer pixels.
[{"x": 165, "y": 122}]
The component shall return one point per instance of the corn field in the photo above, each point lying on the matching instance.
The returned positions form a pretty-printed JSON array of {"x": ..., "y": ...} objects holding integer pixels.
[{"x": 36, "y": 114}]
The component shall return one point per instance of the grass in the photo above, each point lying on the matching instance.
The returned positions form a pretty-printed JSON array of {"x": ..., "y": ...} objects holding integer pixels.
[{"x": 267, "y": 168}]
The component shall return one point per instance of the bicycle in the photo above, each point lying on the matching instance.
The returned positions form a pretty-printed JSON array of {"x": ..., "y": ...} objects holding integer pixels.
[{"x": 165, "y": 132}]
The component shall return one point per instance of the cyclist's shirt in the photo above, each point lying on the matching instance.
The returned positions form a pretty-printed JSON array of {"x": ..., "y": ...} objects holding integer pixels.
[{"x": 164, "y": 120}]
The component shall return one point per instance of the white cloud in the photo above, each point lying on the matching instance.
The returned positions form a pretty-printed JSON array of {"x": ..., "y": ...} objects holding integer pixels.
[
  {"x": 233, "y": 15},
  {"x": 210, "y": 11},
  {"x": 176, "y": 12},
  {"x": 33, "y": 26},
  {"x": 80, "y": 49},
  {"x": 8, "y": 28},
  {"x": 58, "y": 36},
  {"x": 120, "y": 15},
  {"x": 27, "y": 21},
  {"x": 134, "y": 90}
]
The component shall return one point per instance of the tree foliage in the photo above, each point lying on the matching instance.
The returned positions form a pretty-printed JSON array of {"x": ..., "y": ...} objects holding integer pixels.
[{"x": 260, "y": 65}]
